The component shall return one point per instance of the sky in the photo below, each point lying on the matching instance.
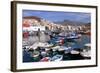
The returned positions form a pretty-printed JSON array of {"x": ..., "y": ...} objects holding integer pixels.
[{"x": 59, "y": 16}]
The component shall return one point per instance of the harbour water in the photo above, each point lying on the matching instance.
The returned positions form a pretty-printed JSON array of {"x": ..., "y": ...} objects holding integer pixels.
[
  {"x": 74, "y": 43},
  {"x": 79, "y": 43}
]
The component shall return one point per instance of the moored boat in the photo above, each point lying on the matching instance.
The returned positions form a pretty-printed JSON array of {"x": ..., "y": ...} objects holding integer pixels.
[
  {"x": 73, "y": 36},
  {"x": 45, "y": 59},
  {"x": 57, "y": 58},
  {"x": 87, "y": 32},
  {"x": 86, "y": 51}
]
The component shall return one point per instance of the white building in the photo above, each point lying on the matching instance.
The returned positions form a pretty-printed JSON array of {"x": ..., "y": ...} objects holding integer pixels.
[{"x": 34, "y": 28}]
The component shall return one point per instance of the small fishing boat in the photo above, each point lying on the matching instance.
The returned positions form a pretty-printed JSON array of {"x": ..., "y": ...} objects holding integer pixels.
[
  {"x": 45, "y": 45},
  {"x": 87, "y": 32},
  {"x": 43, "y": 53},
  {"x": 57, "y": 58},
  {"x": 86, "y": 51},
  {"x": 74, "y": 52},
  {"x": 45, "y": 59},
  {"x": 40, "y": 44},
  {"x": 35, "y": 56},
  {"x": 56, "y": 47},
  {"x": 57, "y": 40},
  {"x": 73, "y": 36}
]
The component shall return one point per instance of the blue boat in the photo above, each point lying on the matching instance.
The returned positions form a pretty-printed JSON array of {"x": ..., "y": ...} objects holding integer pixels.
[
  {"x": 57, "y": 40},
  {"x": 73, "y": 36}
]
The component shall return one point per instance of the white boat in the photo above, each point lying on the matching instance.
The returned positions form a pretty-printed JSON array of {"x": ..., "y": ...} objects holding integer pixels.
[
  {"x": 74, "y": 52},
  {"x": 66, "y": 48},
  {"x": 86, "y": 50},
  {"x": 73, "y": 36},
  {"x": 40, "y": 44},
  {"x": 57, "y": 58},
  {"x": 45, "y": 45},
  {"x": 86, "y": 54}
]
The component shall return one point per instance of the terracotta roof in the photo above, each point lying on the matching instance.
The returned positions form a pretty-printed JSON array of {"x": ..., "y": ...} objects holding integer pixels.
[{"x": 32, "y": 17}]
